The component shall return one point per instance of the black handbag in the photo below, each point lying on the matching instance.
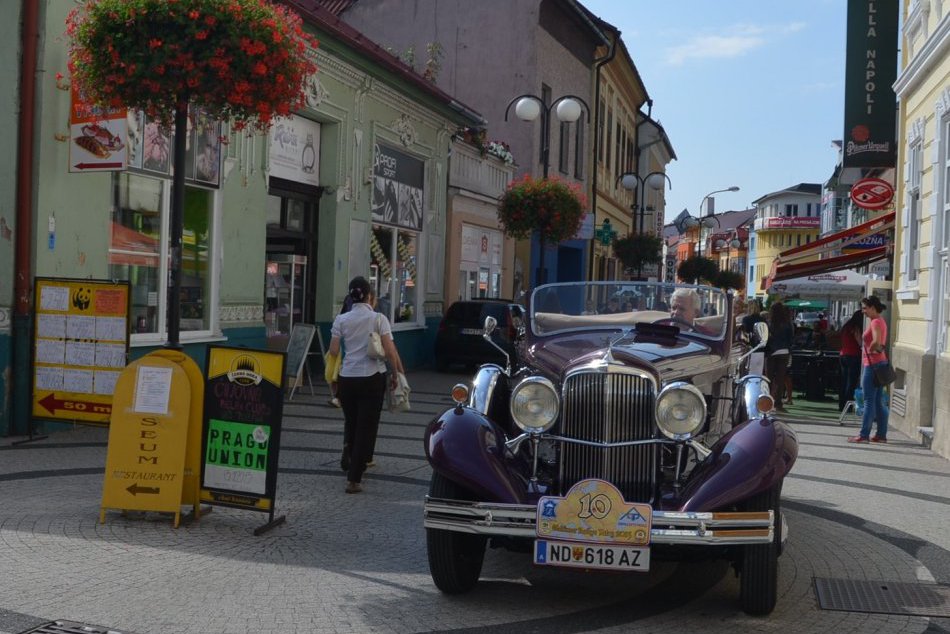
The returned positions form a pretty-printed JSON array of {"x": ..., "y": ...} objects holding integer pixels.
[{"x": 884, "y": 375}]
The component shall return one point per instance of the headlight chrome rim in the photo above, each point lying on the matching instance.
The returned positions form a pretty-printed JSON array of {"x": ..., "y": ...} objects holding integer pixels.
[
  {"x": 542, "y": 415},
  {"x": 688, "y": 418}
]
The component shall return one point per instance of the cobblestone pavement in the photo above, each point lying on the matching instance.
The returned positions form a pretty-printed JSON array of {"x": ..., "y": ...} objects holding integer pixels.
[{"x": 357, "y": 563}]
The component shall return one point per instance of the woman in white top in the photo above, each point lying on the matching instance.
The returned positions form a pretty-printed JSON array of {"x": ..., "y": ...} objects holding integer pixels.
[{"x": 362, "y": 382}]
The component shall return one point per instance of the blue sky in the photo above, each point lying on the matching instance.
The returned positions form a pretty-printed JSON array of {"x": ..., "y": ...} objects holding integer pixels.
[{"x": 750, "y": 92}]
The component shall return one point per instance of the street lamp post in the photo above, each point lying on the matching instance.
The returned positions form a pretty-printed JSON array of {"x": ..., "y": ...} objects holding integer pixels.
[
  {"x": 567, "y": 109},
  {"x": 632, "y": 182},
  {"x": 706, "y": 221}
]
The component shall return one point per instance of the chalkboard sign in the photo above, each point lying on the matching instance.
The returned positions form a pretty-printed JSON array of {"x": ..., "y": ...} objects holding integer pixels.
[{"x": 297, "y": 348}]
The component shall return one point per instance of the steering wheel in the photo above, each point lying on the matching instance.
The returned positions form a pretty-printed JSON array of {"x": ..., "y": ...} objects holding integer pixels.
[{"x": 674, "y": 321}]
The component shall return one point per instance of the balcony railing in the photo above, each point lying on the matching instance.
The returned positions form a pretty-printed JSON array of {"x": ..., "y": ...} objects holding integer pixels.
[{"x": 485, "y": 175}]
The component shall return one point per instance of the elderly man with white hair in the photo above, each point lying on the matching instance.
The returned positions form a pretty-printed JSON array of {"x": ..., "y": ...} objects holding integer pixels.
[{"x": 684, "y": 305}]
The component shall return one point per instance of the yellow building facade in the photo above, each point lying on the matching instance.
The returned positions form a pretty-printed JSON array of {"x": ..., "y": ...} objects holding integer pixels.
[{"x": 920, "y": 350}]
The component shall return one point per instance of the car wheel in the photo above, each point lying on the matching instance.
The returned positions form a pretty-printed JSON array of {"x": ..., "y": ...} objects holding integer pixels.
[
  {"x": 758, "y": 575},
  {"x": 455, "y": 559}
]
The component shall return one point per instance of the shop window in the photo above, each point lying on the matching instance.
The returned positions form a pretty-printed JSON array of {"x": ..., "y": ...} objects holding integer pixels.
[
  {"x": 138, "y": 252},
  {"x": 394, "y": 273}
]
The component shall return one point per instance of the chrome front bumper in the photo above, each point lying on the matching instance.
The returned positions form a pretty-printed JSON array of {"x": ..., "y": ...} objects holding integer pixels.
[{"x": 669, "y": 527}]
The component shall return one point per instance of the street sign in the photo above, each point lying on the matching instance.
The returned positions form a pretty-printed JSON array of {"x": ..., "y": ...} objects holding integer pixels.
[{"x": 872, "y": 193}]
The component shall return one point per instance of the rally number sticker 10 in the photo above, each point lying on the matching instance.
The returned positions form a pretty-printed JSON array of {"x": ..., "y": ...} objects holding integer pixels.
[{"x": 594, "y": 511}]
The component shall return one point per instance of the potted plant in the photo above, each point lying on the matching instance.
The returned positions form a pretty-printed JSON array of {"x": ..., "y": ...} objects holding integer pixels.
[
  {"x": 549, "y": 206},
  {"x": 637, "y": 249},
  {"x": 246, "y": 61}
]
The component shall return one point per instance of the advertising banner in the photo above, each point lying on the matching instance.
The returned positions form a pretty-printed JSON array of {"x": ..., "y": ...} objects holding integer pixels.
[
  {"x": 80, "y": 345},
  {"x": 242, "y": 419},
  {"x": 870, "y": 105},
  {"x": 294, "y": 150},
  {"x": 97, "y": 136},
  {"x": 398, "y": 181}
]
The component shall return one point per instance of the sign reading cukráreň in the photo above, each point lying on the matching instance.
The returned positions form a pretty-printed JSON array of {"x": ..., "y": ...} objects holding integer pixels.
[{"x": 242, "y": 417}]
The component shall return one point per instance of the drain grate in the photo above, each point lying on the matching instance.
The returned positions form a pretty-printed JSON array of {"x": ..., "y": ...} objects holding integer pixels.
[
  {"x": 883, "y": 597},
  {"x": 72, "y": 627}
]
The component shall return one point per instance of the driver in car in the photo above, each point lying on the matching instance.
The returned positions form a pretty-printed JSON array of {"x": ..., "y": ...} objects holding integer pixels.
[
  {"x": 685, "y": 305},
  {"x": 685, "y": 308}
]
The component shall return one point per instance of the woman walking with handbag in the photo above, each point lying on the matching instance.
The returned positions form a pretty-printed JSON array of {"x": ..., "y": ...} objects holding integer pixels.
[
  {"x": 362, "y": 381},
  {"x": 873, "y": 359}
]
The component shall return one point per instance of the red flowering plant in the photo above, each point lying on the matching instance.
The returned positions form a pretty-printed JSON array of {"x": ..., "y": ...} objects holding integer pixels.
[
  {"x": 239, "y": 60},
  {"x": 549, "y": 206}
]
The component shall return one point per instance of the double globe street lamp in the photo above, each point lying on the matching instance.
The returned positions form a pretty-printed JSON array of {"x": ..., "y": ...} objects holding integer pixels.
[
  {"x": 567, "y": 109},
  {"x": 632, "y": 182}
]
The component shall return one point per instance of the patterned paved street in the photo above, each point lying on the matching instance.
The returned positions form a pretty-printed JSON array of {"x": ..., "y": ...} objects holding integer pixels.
[{"x": 357, "y": 563}]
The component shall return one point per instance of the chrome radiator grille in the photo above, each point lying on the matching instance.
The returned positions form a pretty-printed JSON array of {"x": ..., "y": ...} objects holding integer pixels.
[{"x": 608, "y": 408}]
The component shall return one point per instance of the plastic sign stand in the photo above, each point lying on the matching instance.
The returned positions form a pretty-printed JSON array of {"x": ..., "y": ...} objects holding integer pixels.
[
  {"x": 148, "y": 434},
  {"x": 192, "y": 478}
]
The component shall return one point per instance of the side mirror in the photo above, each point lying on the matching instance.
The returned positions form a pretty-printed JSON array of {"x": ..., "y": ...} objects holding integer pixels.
[
  {"x": 762, "y": 332},
  {"x": 490, "y": 324}
]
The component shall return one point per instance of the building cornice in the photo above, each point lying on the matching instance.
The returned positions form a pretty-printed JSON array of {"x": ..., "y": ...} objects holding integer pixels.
[{"x": 933, "y": 53}]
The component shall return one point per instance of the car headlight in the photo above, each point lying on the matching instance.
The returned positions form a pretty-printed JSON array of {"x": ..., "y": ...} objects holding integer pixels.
[
  {"x": 534, "y": 404},
  {"x": 680, "y": 410}
]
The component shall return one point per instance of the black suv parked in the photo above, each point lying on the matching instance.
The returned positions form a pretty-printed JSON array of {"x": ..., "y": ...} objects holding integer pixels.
[{"x": 459, "y": 339}]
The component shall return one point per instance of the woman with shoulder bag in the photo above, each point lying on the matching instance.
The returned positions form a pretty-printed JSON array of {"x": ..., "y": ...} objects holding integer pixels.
[
  {"x": 873, "y": 358},
  {"x": 362, "y": 381}
]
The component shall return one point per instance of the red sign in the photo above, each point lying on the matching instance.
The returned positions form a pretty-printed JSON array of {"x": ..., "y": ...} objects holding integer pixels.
[
  {"x": 791, "y": 222},
  {"x": 872, "y": 193}
]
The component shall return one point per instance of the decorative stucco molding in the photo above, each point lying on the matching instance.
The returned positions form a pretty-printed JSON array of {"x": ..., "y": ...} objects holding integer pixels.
[
  {"x": 404, "y": 128},
  {"x": 4, "y": 319},
  {"x": 915, "y": 132},
  {"x": 315, "y": 93},
  {"x": 242, "y": 313}
]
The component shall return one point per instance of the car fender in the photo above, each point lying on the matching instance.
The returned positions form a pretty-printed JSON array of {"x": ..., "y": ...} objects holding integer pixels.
[
  {"x": 469, "y": 449},
  {"x": 751, "y": 458}
]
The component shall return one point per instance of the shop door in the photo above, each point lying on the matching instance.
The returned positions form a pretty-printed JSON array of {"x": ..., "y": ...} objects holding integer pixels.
[{"x": 290, "y": 275}]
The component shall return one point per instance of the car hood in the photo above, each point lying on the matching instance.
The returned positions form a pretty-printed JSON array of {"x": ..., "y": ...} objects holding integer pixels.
[{"x": 667, "y": 359}]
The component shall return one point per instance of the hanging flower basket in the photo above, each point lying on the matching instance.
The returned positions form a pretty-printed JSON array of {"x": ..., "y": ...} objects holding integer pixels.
[
  {"x": 549, "y": 206},
  {"x": 239, "y": 60}
]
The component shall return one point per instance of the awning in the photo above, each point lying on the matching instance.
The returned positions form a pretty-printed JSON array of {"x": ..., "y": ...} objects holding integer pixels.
[
  {"x": 789, "y": 263},
  {"x": 806, "y": 303}
]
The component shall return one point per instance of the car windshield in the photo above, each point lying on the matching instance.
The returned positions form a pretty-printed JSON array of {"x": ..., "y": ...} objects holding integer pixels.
[
  {"x": 699, "y": 310},
  {"x": 807, "y": 316}
]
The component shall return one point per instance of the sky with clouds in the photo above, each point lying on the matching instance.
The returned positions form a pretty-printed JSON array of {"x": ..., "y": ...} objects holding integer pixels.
[{"x": 750, "y": 92}]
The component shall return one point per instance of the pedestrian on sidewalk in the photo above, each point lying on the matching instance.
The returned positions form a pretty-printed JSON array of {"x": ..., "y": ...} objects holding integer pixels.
[
  {"x": 849, "y": 358},
  {"x": 362, "y": 382},
  {"x": 778, "y": 352},
  {"x": 873, "y": 356},
  {"x": 347, "y": 305}
]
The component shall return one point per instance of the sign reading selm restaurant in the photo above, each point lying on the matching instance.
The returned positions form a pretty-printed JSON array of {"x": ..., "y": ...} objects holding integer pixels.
[{"x": 870, "y": 71}]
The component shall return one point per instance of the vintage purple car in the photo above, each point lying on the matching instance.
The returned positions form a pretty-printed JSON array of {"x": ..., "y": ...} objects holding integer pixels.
[{"x": 614, "y": 439}]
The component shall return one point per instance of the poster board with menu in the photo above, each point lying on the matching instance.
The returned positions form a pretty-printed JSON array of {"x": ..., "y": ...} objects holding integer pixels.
[{"x": 80, "y": 345}]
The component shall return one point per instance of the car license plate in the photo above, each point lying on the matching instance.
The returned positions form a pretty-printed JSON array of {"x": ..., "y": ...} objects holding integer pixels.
[
  {"x": 471, "y": 331},
  {"x": 592, "y": 556}
]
